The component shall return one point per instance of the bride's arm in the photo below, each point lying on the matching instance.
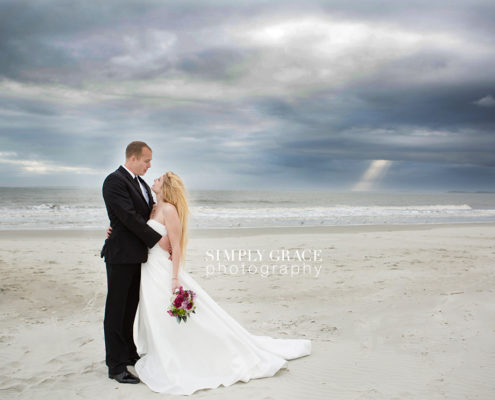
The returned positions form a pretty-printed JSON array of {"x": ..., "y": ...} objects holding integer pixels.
[
  {"x": 164, "y": 242},
  {"x": 174, "y": 230}
]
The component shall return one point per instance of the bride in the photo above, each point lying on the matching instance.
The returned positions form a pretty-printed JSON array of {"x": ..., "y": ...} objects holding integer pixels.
[{"x": 211, "y": 348}]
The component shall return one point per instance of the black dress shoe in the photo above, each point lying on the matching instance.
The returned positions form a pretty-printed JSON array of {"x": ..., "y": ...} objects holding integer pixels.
[{"x": 124, "y": 377}]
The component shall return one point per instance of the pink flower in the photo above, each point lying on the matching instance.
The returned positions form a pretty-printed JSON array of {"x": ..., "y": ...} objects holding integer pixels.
[
  {"x": 178, "y": 300},
  {"x": 182, "y": 300}
]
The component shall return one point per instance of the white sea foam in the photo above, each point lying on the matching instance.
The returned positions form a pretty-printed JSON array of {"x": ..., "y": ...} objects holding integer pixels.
[
  {"x": 84, "y": 209},
  {"x": 338, "y": 215}
]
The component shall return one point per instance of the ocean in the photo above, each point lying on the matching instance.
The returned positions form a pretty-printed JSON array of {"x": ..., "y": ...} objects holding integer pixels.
[{"x": 81, "y": 208}]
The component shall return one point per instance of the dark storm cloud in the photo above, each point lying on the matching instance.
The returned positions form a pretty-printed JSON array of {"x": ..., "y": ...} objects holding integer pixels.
[{"x": 305, "y": 93}]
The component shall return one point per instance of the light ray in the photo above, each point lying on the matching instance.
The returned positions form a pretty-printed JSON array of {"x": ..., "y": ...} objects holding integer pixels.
[{"x": 375, "y": 171}]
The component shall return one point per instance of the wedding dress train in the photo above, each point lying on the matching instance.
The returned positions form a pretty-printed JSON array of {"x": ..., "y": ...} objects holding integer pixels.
[{"x": 210, "y": 349}]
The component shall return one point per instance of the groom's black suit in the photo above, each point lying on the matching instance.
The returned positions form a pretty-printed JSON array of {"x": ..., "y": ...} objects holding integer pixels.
[{"x": 124, "y": 251}]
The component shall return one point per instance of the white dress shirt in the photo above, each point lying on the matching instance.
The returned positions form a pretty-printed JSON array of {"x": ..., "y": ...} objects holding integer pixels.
[{"x": 143, "y": 189}]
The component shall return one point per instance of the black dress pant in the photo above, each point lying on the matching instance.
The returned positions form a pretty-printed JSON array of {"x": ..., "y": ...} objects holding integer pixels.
[{"x": 123, "y": 281}]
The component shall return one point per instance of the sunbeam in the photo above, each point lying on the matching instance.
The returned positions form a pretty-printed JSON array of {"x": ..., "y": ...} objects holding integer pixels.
[{"x": 374, "y": 172}]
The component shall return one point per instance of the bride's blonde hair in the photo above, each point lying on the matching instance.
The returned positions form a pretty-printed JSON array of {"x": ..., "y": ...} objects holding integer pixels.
[{"x": 174, "y": 192}]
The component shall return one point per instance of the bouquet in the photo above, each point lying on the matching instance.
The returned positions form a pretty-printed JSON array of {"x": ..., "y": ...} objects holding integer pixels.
[{"x": 182, "y": 305}]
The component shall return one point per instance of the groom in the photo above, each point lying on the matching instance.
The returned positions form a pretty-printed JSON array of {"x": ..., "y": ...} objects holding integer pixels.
[{"x": 129, "y": 202}]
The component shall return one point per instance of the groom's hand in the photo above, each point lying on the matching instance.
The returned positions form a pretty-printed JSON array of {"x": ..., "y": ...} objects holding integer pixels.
[
  {"x": 109, "y": 231},
  {"x": 164, "y": 243}
]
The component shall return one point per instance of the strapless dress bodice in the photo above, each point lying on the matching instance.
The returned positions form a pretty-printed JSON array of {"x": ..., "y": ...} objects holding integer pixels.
[{"x": 157, "y": 226}]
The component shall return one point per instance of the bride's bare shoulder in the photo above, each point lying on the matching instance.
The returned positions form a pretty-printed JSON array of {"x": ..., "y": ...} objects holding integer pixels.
[
  {"x": 164, "y": 209},
  {"x": 168, "y": 208}
]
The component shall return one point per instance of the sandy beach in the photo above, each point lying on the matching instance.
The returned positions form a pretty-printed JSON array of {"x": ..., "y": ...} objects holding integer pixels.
[{"x": 395, "y": 312}]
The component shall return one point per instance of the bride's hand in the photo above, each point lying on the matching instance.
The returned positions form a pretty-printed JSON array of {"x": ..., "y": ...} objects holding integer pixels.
[
  {"x": 164, "y": 243},
  {"x": 175, "y": 285}
]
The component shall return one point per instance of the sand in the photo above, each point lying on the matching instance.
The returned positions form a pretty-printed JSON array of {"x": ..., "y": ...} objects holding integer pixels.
[{"x": 395, "y": 312}]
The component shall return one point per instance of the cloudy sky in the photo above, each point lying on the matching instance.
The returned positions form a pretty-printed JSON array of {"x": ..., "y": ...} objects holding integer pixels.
[{"x": 323, "y": 95}]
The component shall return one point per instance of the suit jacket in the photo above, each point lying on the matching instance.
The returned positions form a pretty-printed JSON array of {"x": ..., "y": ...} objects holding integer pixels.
[{"x": 128, "y": 212}]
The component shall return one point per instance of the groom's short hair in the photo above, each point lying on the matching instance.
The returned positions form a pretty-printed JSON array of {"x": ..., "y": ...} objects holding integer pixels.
[{"x": 135, "y": 149}]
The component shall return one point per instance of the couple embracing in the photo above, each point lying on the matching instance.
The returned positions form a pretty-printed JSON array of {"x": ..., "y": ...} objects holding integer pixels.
[{"x": 144, "y": 256}]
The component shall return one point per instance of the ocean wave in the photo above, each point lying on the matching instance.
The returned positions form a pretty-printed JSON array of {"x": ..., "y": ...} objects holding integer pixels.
[
  {"x": 55, "y": 215},
  {"x": 341, "y": 210}
]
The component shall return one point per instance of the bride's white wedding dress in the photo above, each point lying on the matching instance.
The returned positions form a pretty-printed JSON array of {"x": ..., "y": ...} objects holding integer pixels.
[{"x": 210, "y": 349}]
